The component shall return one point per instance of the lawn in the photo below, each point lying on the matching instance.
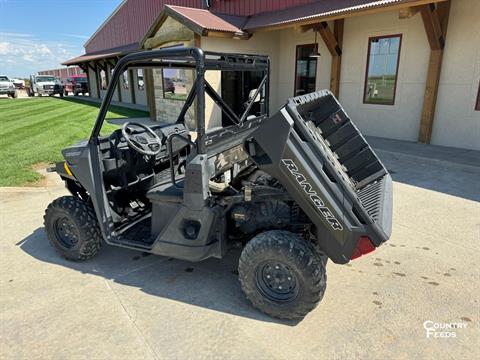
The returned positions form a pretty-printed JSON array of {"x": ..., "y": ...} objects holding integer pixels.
[{"x": 33, "y": 131}]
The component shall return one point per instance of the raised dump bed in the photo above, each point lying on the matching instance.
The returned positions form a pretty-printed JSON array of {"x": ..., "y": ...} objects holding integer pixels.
[{"x": 315, "y": 150}]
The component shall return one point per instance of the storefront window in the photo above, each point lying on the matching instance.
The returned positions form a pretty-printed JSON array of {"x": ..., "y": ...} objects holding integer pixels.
[
  {"x": 382, "y": 69},
  {"x": 174, "y": 84},
  {"x": 140, "y": 79},
  {"x": 305, "y": 69},
  {"x": 103, "y": 80},
  {"x": 125, "y": 80}
]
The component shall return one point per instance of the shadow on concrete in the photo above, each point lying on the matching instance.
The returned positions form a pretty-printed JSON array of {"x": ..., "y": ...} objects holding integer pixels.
[
  {"x": 211, "y": 284},
  {"x": 447, "y": 170}
]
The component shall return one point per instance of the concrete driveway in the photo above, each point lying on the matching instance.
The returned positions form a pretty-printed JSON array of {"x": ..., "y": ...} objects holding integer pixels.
[{"x": 124, "y": 305}]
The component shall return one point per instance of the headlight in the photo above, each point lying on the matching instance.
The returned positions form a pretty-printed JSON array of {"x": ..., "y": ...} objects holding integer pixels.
[{"x": 11, "y": 86}]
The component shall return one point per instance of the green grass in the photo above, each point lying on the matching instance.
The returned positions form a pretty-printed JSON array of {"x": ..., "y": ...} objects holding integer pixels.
[
  {"x": 34, "y": 131},
  {"x": 176, "y": 96}
]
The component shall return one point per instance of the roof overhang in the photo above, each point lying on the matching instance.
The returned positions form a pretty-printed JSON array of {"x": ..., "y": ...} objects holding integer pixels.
[
  {"x": 102, "y": 55},
  {"x": 325, "y": 11}
]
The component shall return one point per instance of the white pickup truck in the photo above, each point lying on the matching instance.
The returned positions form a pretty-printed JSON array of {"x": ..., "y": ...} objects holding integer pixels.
[
  {"x": 45, "y": 85},
  {"x": 7, "y": 87}
]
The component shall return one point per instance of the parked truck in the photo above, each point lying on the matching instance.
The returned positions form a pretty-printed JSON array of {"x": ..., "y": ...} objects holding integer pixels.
[
  {"x": 7, "y": 87},
  {"x": 76, "y": 85},
  {"x": 44, "y": 85}
]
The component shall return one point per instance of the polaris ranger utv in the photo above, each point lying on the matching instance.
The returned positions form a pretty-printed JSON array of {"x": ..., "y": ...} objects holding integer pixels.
[{"x": 295, "y": 188}]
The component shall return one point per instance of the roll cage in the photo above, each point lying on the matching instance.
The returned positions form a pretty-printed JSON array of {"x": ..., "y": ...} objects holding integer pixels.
[{"x": 200, "y": 61}]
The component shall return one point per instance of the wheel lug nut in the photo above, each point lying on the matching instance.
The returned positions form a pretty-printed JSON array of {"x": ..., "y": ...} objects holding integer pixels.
[
  {"x": 276, "y": 267},
  {"x": 289, "y": 278},
  {"x": 280, "y": 287},
  {"x": 268, "y": 276}
]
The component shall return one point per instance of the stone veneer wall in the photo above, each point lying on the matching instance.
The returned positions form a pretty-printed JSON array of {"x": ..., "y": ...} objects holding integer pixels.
[{"x": 167, "y": 110}]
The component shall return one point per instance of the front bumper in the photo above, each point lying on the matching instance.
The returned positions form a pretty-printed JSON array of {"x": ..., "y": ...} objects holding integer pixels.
[
  {"x": 48, "y": 91},
  {"x": 7, "y": 91}
]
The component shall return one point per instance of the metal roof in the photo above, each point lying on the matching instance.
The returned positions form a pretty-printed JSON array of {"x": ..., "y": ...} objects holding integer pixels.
[
  {"x": 132, "y": 20},
  {"x": 206, "y": 20},
  {"x": 318, "y": 10},
  {"x": 105, "y": 54}
]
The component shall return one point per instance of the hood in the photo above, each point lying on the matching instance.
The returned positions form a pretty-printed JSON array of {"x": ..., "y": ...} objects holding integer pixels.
[{"x": 5, "y": 83}]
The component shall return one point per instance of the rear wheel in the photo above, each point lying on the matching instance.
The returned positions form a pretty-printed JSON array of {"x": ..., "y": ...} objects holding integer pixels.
[
  {"x": 282, "y": 274},
  {"x": 72, "y": 228}
]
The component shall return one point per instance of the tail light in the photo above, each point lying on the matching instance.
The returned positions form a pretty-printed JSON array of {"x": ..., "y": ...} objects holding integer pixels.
[{"x": 364, "y": 246}]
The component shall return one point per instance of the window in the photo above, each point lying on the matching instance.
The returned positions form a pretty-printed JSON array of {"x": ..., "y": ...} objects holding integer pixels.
[
  {"x": 382, "y": 69},
  {"x": 103, "y": 80},
  {"x": 125, "y": 80},
  {"x": 305, "y": 69},
  {"x": 174, "y": 84},
  {"x": 477, "y": 105},
  {"x": 140, "y": 80}
]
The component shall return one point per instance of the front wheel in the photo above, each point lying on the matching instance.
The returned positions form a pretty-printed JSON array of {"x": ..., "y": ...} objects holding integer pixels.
[
  {"x": 282, "y": 274},
  {"x": 72, "y": 228}
]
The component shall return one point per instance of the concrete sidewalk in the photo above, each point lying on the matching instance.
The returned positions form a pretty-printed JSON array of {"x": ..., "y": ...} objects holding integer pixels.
[
  {"x": 432, "y": 152},
  {"x": 125, "y": 305}
]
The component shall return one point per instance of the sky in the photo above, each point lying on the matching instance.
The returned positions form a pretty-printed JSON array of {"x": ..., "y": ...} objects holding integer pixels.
[{"x": 40, "y": 34}]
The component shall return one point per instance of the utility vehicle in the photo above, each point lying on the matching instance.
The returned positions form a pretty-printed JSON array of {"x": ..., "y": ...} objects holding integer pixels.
[{"x": 295, "y": 188}]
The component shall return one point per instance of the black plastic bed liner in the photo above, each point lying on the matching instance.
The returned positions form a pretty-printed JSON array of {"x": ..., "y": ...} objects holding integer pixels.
[{"x": 313, "y": 148}]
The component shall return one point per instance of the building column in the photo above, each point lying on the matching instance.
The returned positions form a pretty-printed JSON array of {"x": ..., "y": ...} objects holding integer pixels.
[
  {"x": 435, "y": 20},
  {"x": 150, "y": 92},
  {"x": 132, "y": 88}
]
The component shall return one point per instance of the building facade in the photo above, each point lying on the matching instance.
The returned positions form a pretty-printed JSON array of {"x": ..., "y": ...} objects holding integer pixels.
[{"x": 403, "y": 69}]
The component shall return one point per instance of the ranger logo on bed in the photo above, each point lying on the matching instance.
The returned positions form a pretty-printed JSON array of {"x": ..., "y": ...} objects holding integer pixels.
[{"x": 317, "y": 200}]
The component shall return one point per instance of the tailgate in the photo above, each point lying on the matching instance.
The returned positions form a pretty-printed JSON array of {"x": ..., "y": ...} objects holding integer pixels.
[{"x": 313, "y": 148}]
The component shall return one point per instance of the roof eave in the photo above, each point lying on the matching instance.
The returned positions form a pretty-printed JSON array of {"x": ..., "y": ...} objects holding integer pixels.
[{"x": 335, "y": 15}]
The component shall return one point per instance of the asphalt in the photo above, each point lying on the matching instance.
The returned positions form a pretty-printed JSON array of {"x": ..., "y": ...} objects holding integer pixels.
[{"x": 125, "y": 305}]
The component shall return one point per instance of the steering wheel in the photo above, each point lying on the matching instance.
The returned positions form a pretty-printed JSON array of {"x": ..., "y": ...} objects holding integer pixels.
[{"x": 146, "y": 143}]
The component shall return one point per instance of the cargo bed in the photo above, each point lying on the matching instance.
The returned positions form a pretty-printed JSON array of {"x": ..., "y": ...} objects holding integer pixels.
[{"x": 313, "y": 148}]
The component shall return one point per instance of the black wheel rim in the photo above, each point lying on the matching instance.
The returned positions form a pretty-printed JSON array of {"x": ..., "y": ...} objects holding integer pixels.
[
  {"x": 277, "y": 281},
  {"x": 66, "y": 232}
]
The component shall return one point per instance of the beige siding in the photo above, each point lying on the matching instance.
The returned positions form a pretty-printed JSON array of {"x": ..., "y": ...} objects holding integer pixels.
[
  {"x": 456, "y": 121},
  {"x": 401, "y": 120}
]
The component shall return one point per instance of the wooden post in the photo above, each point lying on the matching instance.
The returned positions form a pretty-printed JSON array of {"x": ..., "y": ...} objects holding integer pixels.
[
  {"x": 132, "y": 86},
  {"x": 97, "y": 80},
  {"x": 119, "y": 84},
  {"x": 150, "y": 91},
  {"x": 333, "y": 41},
  {"x": 337, "y": 59},
  {"x": 435, "y": 20},
  {"x": 89, "y": 80}
]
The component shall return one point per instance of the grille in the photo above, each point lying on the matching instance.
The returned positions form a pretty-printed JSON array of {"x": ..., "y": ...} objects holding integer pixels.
[{"x": 371, "y": 197}]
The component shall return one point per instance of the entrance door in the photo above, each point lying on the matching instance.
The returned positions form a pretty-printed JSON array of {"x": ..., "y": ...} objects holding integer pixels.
[{"x": 236, "y": 86}]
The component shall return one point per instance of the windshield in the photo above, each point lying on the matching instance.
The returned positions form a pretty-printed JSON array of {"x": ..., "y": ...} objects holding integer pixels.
[
  {"x": 45, "y": 78},
  {"x": 4, "y": 78}
]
